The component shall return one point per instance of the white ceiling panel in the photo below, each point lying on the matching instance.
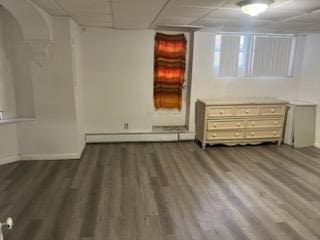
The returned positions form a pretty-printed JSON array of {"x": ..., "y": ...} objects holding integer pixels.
[
  {"x": 85, "y": 6},
  {"x": 312, "y": 18},
  {"x": 234, "y": 4},
  {"x": 300, "y": 5},
  {"x": 138, "y": 14},
  {"x": 173, "y": 10},
  {"x": 200, "y": 3},
  {"x": 86, "y": 13},
  {"x": 94, "y": 20},
  {"x": 51, "y": 7},
  {"x": 277, "y": 15},
  {"x": 229, "y": 22},
  {"x": 227, "y": 14},
  {"x": 175, "y": 21},
  {"x": 288, "y": 16}
]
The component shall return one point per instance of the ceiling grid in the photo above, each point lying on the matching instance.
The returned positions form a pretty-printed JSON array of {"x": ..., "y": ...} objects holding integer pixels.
[{"x": 283, "y": 16}]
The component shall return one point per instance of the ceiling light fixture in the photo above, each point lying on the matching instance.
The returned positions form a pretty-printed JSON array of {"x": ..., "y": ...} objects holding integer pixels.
[{"x": 254, "y": 7}]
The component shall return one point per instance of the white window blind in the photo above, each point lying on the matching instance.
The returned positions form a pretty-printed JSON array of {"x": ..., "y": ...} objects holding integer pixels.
[
  {"x": 254, "y": 55},
  {"x": 229, "y": 56},
  {"x": 271, "y": 56}
]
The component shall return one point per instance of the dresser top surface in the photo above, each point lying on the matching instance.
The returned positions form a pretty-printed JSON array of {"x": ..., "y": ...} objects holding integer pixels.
[{"x": 241, "y": 101}]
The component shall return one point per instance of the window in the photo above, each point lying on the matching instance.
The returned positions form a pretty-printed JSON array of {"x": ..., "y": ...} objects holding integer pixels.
[{"x": 254, "y": 55}]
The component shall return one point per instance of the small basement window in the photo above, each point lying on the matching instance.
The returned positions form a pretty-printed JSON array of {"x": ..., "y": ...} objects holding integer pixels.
[{"x": 254, "y": 55}]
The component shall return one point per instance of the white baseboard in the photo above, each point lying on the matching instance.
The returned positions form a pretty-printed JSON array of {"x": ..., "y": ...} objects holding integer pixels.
[
  {"x": 26, "y": 157},
  {"x": 187, "y": 136},
  {"x": 317, "y": 145},
  {"x": 132, "y": 137},
  {"x": 68, "y": 156},
  {"x": 9, "y": 159},
  {"x": 83, "y": 147}
]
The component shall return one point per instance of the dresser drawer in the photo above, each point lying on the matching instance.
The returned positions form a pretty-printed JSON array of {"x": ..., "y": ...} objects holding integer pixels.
[
  {"x": 225, "y": 135},
  {"x": 247, "y": 111},
  {"x": 256, "y": 134},
  {"x": 265, "y": 123},
  {"x": 223, "y": 111},
  {"x": 232, "y": 124},
  {"x": 270, "y": 110}
]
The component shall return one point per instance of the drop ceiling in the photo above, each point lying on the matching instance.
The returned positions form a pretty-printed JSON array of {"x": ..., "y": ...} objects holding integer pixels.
[{"x": 283, "y": 16}]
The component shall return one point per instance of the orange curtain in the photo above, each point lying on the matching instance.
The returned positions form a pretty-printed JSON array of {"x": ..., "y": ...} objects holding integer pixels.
[{"x": 169, "y": 70}]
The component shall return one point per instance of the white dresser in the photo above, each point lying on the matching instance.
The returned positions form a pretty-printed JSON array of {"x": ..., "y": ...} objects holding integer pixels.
[{"x": 240, "y": 121}]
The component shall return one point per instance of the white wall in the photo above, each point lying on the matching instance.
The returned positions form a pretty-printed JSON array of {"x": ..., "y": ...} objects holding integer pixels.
[
  {"x": 8, "y": 143},
  {"x": 99, "y": 79},
  {"x": 18, "y": 57},
  {"x": 34, "y": 21},
  {"x": 78, "y": 80},
  {"x": 118, "y": 80},
  {"x": 309, "y": 88},
  {"x": 205, "y": 84},
  {"x": 54, "y": 132},
  {"x": 7, "y": 91}
]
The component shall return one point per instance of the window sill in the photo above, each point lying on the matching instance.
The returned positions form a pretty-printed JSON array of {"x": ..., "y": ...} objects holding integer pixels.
[{"x": 15, "y": 120}]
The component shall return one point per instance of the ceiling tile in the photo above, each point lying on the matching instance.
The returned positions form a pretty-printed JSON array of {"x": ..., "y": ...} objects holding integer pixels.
[
  {"x": 234, "y": 4},
  {"x": 200, "y": 3},
  {"x": 246, "y": 23},
  {"x": 300, "y": 5},
  {"x": 50, "y": 6},
  {"x": 98, "y": 25},
  {"x": 307, "y": 18},
  {"x": 184, "y": 11},
  {"x": 89, "y": 18},
  {"x": 228, "y": 14},
  {"x": 286, "y": 16},
  {"x": 277, "y": 15},
  {"x": 176, "y": 14},
  {"x": 138, "y": 14},
  {"x": 270, "y": 14},
  {"x": 80, "y": 6},
  {"x": 175, "y": 21}
]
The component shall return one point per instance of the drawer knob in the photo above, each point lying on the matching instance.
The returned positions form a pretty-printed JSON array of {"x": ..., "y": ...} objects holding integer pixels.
[
  {"x": 213, "y": 135},
  {"x": 221, "y": 111},
  {"x": 275, "y": 123},
  {"x": 247, "y": 111},
  {"x": 253, "y": 123},
  {"x": 252, "y": 133},
  {"x": 274, "y": 133},
  {"x": 238, "y": 124},
  {"x": 272, "y": 110},
  {"x": 215, "y": 125},
  {"x": 237, "y": 134}
]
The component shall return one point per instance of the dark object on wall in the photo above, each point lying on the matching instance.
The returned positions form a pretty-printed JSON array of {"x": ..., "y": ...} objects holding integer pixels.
[{"x": 169, "y": 70}]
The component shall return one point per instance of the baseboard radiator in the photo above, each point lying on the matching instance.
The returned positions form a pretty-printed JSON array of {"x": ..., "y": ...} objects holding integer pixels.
[{"x": 139, "y": 137}]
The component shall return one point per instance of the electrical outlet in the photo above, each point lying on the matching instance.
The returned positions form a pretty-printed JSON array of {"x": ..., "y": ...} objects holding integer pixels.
[{"x": 126, "y": 126}]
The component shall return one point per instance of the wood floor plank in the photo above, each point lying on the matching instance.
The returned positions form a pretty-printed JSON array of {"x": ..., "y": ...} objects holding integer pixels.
[{"x": 166, "y": 191}]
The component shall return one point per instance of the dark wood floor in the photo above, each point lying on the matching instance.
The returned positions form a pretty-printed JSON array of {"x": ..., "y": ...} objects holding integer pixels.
[{"x": 155, "y": 191}]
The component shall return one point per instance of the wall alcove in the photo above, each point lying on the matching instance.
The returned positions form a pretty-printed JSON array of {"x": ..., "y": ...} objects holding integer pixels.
[{"x": 16, "y": 91}]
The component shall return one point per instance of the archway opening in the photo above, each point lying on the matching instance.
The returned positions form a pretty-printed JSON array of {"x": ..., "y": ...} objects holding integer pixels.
[{"x": 16, "y": 91}]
